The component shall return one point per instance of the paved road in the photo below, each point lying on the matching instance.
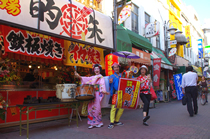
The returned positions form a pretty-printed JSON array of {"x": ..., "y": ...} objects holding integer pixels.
[{"x": 168, "y": 121}]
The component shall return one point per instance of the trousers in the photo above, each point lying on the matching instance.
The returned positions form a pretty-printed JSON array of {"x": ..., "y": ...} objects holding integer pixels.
[
  {"x": 146, "y": 100},
  {"x": 113, "y": 112},
  {"x": 192, "y": 94}
]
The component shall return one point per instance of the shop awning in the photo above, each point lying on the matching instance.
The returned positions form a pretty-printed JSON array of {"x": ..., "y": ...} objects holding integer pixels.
[
  {"x": 164, "y": 61},
  {"x": 123, "y": 41},
  {"x": 140, "y": 41},
  {"x": 126, "y": 37},
  {"x": 198, "y": 70},
  {"x": 144, "y": 57}
]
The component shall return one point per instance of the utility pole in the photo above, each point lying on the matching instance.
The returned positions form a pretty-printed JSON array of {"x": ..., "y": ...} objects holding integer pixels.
[
  {"x": 115, "y": 24},
  {"x": 166, "y": 51}
]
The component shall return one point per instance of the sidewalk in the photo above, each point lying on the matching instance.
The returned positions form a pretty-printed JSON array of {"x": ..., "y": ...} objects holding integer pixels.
[{"x": 168, "y": 121}]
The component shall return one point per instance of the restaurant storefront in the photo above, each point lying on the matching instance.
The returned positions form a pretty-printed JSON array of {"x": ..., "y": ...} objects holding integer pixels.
[{"x": 44, "y": 48}]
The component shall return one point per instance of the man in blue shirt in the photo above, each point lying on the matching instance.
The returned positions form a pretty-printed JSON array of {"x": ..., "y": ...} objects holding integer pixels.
[{"x": 113, "y": 84}]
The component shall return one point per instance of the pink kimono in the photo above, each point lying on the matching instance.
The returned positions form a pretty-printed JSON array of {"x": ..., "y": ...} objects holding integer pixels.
[{"x": 94, "y": 106}]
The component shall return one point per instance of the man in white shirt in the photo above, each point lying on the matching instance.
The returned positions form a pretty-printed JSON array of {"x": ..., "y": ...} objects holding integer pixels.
[{"x": 189, "y": 84}]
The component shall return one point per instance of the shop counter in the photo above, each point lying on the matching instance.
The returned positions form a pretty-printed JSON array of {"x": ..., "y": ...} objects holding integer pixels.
[
  {"x": 16, "y": 97},
  {"x": 26, "y": 109}
]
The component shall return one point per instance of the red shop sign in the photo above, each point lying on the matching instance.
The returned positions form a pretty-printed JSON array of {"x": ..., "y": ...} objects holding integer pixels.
[
  {"x": 110, "y": 59},
  {"x": 32, "y": 44},
  {"x": 156, "y": 70}
]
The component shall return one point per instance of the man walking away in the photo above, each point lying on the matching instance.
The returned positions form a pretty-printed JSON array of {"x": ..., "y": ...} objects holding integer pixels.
[{"x": 189, "y": 83}]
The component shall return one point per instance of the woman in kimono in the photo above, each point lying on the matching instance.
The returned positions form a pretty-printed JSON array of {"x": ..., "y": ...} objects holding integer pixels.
[{"x": 94, "y": 106}]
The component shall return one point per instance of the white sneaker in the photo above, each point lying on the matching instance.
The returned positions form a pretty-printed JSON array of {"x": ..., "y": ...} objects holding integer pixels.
[
  {"x": 90, "y": 127},
  {"x": 99, "y": 125}
]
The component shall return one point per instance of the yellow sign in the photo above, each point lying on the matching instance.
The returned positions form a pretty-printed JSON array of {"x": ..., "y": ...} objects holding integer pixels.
[
  {"x": 120, "y": 96},
  {"x": 77, "y": 54},
  {"x": 188, "y": 36},
  {"x": 135, "y": 94}
]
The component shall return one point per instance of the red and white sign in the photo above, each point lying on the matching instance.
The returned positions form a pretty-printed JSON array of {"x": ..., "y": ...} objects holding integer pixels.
[
  {"x": 172, "y": 52},
  {"x": 128, "y": 93},
  {"x": 32, "y": 44},
  {"x": 124, "y": 14},
  {"x": 156, "y": 71},
  {"x": 62, "y": 17},
  {"x": 110, "y": 59},
  {"x": 152, "y": 29}
]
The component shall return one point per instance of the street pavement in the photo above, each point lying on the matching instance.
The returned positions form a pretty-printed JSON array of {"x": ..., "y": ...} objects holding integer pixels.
[{"x": 168, "y": 121}]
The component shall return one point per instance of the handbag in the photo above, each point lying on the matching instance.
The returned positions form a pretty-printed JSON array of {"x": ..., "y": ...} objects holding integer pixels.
[
  {"x": 184, "y": 100},
  {"x": 153, "y": 94}
]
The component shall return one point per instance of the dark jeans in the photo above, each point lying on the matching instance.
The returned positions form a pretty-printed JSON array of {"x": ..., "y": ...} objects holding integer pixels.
[
  {"x": 192, "y": 94},
  {"x": 146, "y": 100}
]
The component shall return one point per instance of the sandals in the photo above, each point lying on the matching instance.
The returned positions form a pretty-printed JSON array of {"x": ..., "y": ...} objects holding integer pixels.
[
  {"x": 91, "y": 127},
  {"x": 99, "y": 125}
]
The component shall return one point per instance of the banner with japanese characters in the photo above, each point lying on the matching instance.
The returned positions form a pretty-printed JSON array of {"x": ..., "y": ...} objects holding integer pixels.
[
  {"x": 78, "y": 54},
  {"x": 156, "y": 71},
  {"x": 178, "y": 83},
  {"x": 128, "y": 93},
  {"x": 173, "y": 91},
  {"x": 2, "y": 49},
  {"x": 32, "y": 44},
  {"x": 62, "y": 17},
  {"x": 188, "y": 36}
]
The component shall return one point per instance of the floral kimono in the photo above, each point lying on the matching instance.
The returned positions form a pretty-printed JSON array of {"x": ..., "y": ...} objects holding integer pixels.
[{"x": 94, "y": 106}]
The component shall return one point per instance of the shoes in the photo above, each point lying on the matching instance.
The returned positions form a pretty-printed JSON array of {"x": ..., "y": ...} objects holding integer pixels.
[
  {"x": 99, "y": 125},
  {"x": 145, "y": 123},
  {"x": 111, "y": 126},
  {"x": 118, "y": 123},
  {"x": 191, "y": 115},
  {"x": 146, "y": 118},
  {"x": 195, "y": 113},
  {"x": 91, "y": 127}
]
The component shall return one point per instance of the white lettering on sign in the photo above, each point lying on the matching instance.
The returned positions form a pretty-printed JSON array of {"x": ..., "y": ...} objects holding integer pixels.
[
  {"x": 155, "y": 78},
  {"x": 156, "y": 61},
  {"x": 156, "y": 67}
]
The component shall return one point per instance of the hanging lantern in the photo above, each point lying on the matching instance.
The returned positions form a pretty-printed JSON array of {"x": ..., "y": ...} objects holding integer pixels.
[{"x": 110, "y": 59}]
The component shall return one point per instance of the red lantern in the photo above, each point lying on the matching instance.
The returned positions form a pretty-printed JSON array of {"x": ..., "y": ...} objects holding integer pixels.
[{"x": 110, "y": 59}]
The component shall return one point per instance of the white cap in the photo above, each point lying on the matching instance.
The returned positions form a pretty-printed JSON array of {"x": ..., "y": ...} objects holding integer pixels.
[{"x": 143, "y": 66}]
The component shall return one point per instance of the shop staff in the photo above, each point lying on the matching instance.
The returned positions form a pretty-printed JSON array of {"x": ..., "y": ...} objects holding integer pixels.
[{"x": 113, "y": 84}]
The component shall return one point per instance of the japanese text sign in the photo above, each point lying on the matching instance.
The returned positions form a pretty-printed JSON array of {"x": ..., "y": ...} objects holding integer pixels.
[
  {"x": 178, "y": 83},
  {"x": 77, "y": 54},
  {"x": 188, "y": 36},
  {"x": 110, "y": 59},
  {"x": 32, "y": 44},
  {"x": 172, "y": 89},
  {"x": 156, "y": 71},
  {"x": 62, "y": 17},
  {"x": 200, "y": 48},
  {"x": 128, "y": 93}
]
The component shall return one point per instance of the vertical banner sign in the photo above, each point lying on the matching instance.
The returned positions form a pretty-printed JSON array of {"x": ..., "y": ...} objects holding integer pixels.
[
  {"x": 188, "y": 36},
  {"x": 173, "y": 91},
  {"x": 110, "y": 59},
  {"x": 156, "y": 70},
  {"x": 200, "y": 48},
  {"x": 128, "y": 94},
  {"x": 178, "y": 82}
]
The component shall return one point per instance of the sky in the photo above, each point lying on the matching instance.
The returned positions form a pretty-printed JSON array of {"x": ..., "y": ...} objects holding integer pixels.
[{"x": 201, "y": 7}]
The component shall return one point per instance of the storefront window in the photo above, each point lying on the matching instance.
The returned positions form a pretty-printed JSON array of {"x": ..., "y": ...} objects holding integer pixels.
[{"x": 134, "y": 18}]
